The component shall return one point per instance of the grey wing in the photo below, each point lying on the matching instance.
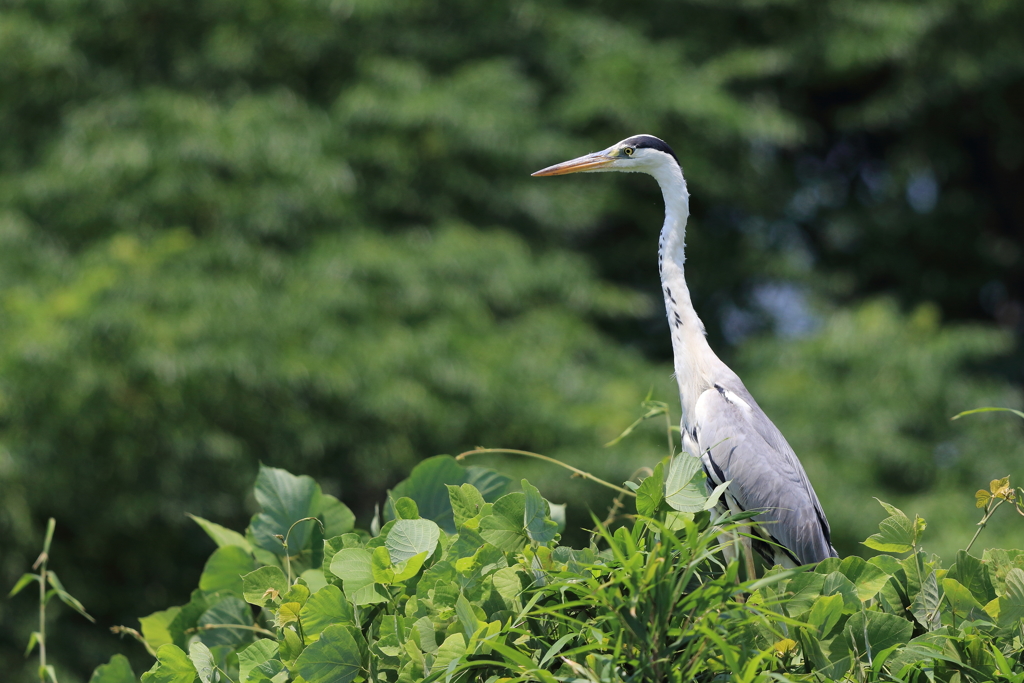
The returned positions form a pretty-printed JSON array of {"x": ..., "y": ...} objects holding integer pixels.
[{"x": 738, "y": 442}]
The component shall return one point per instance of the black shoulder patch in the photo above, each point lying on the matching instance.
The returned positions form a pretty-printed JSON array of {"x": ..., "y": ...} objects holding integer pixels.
[{"x": 641, "y": 141}]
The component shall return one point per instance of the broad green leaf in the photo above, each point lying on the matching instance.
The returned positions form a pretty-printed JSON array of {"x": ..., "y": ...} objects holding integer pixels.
[
  {"x": 354, "y": 566},
  {"x": 805, "y": 589},
  {"x": 1010, "y": 605},
  {"x": 409, "y": 537},
  {"x": 264, "y": 586},
  {"x": 428, "y": 482},
  {"x": 651, "y": 493},
  {"x": 314, "y": 579},
  {"x": 408, "y": 569},
  {"x": 202, "y": 660},
  {"x": 825, "y": 614},
  {"x": 223, "y": 572},
  {"x": 230, "y": 610},
  {"x": 925, "y": 606},
  {"x": 466, "y": 502},
  {"x": 336, "y": 516},
  {"x": 837, "y": 584},
  {"x": 963, "y": 604},
  {"x": 117, "y": 670},
  {"x": 685, "y": 490},
  {"x": 284, "y": 499},
  {"x": 172, "y": 666},
  {"x": 970, "y": 572},
  {"x": 452, "y": 649},
  {"x": 380, "y": 563},
  {"x": 877, "y": 631},
  {"x": 503, "y": 528},
  {"x": 261, "y": 651},
  {"x": 333, "y": 658},
  {"x": 896, "y": 532},
  {"x": 538, "y": 526},
  {"x": 222, "y": 536},
  {"x": 868, "y": 578},
  {"x": 406, "y": 508},
  {"x": 287, "y": 613},
  {"x": 467, "y": 617},
  {"x": 156, "y": 627},
  {"x": 325, "y": 607}
]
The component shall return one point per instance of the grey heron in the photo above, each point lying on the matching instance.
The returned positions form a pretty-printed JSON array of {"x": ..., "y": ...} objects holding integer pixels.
[{"x": 721, "y": 422}]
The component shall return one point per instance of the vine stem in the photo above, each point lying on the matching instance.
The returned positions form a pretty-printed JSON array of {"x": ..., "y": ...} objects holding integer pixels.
[
  {"x": 578, "y": 472},
  {"x": 984, "y": 521}
]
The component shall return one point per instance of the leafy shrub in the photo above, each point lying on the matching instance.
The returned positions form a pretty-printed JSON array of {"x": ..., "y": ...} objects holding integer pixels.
[{"x": 465, "y": 580}]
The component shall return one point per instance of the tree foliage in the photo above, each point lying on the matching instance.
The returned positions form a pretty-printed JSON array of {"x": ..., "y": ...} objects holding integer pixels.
[{"x": 303, "y": 232}]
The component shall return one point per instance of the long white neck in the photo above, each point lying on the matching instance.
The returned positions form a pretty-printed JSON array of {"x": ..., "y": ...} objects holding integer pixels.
[{"x": 695, "y": 362}]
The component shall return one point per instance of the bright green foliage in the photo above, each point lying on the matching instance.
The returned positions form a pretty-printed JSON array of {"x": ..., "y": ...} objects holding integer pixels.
[{"x": 654, "y": 601}]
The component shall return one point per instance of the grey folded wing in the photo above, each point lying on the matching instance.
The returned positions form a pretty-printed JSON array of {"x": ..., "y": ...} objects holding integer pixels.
[{"x": 739, "y": 443}]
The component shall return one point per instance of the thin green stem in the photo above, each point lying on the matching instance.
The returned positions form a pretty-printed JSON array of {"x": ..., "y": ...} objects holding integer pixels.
[
  {"x": 989, "y": 509},
  {"x": 574, "y": 470}
]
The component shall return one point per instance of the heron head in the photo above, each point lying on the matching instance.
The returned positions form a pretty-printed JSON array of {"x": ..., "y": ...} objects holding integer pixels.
[{"x": 637, "y": 154}]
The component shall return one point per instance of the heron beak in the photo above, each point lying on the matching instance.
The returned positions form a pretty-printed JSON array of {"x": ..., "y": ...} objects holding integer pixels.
[{"x": 590, "y": 162}]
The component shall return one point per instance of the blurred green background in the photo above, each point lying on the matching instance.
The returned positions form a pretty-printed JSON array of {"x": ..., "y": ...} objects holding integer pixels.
[{"x": 303, "y": 232}]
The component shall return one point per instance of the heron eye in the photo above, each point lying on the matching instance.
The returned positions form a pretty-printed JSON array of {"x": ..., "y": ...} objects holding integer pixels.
[{"x": 628, "y": 151}]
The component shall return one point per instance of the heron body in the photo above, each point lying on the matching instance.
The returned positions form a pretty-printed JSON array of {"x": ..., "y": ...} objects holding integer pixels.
[{"x": 721, "y": 422}]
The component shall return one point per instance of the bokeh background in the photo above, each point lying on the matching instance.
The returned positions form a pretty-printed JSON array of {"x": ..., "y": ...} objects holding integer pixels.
[{"x": 303, "y": 232}]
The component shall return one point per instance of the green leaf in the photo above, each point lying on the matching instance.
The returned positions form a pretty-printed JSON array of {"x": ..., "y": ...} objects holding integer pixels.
[
  {"x": 65, "y": 597},
  {"x": 868, "y": 578},
  {"x": 33, "y": 640},
  {"x": 452, "y": 649},
  {"x": 877, "y": 630},
  {"x": 380, "y": 563},
  {"x": 897, "y": 534},
  {"x": 223, "y": 572},
  {"x": 408, "y": 569},
  {"x": 264, "y": 586},
  {"x": 503, "y": 528},
  {"x": 651, "y": 492},
  {"x": 825, "y": 614},
  {"x": 334, "y": 658},
  {"x": 806, "y": 588},
  {"x": 466, "y": 502},
  {"x": 963, "y": 604},
  {"x": 467, "y": 617},
  {"x": 172, "y": 666},
  {"x": 410, "y": 537},
  {"x": 117, "y": 670},
  {"x": 684, "y": 485},
  {"x": 25, "y": 580},
  {"x": 428, "y": 482},
  {"x": 222, "y": 536},
  {"x": 837, "y": 584},
  {"x": 336, "y": 516},
  {"x": 284, "y": 499},
  {"x": 925, "y": 606},
  {"x": 261, "y": 651},
  {"x": 202, "y": 660},
  {"x": 325, "y": 607},
  {"x": 538, "y": 526},
  {"x": 973, "y": 575},
  {"x": 230, "y": 610},
  {"x": 354, "y": 566},
  {"x": 712, "y": 500},
  {"x": 406, "y": 508},
  {"x": 156, "y": 627}
]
